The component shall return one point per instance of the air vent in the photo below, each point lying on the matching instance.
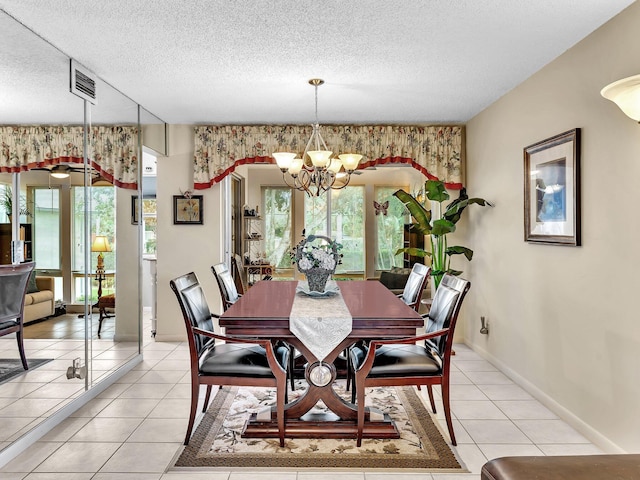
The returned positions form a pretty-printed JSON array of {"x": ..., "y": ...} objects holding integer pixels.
[{"x": 83, "y": 82}]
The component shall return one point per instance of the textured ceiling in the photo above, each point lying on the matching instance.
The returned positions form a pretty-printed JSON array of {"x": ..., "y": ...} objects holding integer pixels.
[{"x": 222, "y": 61}]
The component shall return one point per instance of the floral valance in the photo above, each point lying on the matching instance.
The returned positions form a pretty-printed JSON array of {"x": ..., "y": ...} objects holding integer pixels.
[
  {"x": 113, "y": 150},
  {"x": 434, "y": 150}
]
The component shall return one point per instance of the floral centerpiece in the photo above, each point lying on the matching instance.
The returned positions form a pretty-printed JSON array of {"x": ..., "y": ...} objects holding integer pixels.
[{"x": 317, "y": 262}]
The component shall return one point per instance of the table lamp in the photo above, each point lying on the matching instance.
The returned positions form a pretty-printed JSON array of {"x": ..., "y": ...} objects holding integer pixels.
[{"x": 100, "y": 244}]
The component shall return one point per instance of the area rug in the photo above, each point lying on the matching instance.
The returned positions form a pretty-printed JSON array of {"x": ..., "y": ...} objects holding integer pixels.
[
  {"x": 12, "y": 367},
  {"x": 217, "y": 441}
]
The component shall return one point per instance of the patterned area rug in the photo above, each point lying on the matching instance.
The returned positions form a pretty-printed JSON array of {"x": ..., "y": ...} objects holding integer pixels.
[
  {"x": 217, "y": 441},
  {"x": 12, "y": 367}
]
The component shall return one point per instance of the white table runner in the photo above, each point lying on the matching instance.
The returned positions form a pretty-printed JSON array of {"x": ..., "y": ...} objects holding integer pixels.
[{"x": 320, "y": 323}]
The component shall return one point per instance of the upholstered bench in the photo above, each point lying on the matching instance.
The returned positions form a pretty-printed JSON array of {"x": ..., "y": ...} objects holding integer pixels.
[
  {"x": 600, "y": 467},
  {"x": 104, "y": 302}
]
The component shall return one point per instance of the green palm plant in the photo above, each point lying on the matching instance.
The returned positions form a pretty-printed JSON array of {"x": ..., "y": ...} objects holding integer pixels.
[
  {"x": 6, "y": 202},
  {"x": 438, "y": 228}
]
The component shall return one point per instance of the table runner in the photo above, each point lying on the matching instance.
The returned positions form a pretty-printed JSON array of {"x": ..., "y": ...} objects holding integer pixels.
[{"x": 320, "y": 323}]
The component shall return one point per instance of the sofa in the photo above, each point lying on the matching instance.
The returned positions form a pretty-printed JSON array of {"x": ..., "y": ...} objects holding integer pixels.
[{"x": 40, "y": 304}]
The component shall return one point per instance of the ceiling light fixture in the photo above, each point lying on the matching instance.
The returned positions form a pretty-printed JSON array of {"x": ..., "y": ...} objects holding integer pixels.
[
  {"x": 316, "y": 172},
  {"x": 60, "y": 171},
  {"x": 626, "y": 94}
]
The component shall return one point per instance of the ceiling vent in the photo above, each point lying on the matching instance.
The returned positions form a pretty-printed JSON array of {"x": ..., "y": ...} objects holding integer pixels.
[{"x": 83, "y": 82}]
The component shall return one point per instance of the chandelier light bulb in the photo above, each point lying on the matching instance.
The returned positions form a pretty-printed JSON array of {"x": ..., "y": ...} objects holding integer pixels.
[
  {"x": 295, "y": 167},
  {"x": 284, "y": 159},
  {"x": 350, "y": 161},
  {"x": 335, "y": 165},
  {"x": 320, "y": 158}
]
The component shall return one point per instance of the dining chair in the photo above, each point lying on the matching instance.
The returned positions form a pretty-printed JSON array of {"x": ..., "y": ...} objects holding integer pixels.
[
  {"x": 393, "y": 362},
  {"x": 416, "y": 283},
  {"x": 236, "y": 273},
  {"x": 14, "y": 280},
  {"x": 234, "y": 362},
  {"x": 227, "y": 286}
]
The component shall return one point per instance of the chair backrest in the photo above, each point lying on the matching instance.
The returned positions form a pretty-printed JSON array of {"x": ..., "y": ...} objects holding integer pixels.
[
  {"x": 444, "y": 310},
  {"x": 236, "y": 273},
  {"x": 13, "y": 288},
  {"x": 225, "y": 283},
  {"x": 412, "y": 293},
  {"x": 195, "y": 309}
]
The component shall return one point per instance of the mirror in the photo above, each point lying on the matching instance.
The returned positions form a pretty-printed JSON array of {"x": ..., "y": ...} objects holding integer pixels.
[{"x": 34, "y": 91}]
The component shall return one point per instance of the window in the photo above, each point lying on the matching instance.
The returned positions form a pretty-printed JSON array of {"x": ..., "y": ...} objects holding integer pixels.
[
  {"x": 150, "y": 219},
  {"x": 389, "y": 229},
  {"x": 46, "y": 228},
  {"x": 346, "y": 211},
  {"x": 278, "y": 220}
]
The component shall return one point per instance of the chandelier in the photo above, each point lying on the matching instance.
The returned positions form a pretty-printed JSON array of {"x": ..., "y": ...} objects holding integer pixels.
[{"x": 316, "y": 172}]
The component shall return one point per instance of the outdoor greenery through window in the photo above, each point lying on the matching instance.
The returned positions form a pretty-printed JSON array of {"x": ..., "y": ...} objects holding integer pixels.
[
  {"x": 278, "y": 219},
  {"x": 346, "y": 211},
  {"x": 389, "y": 228},
  {"x": 150, "y": 219}
]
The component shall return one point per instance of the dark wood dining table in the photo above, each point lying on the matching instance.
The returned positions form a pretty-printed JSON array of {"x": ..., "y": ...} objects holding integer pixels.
[{"x": 264, "y": 311}]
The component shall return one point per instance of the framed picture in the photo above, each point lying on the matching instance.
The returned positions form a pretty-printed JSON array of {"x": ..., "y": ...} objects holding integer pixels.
[
  {"x": 187, "y": 211},
  {"x": 135, "y": 215},
  {"x": 552, "y": 190}
]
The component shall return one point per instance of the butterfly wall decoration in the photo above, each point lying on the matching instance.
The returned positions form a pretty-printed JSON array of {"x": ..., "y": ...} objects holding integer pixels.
[{"x": 381, "y": 207}]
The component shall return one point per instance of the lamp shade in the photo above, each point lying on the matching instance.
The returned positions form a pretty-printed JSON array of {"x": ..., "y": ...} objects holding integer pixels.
[
  {"x": 100, "y": 244},
  {"x": 283, "y": 159},
  {"x": 350, "y": 161},
  {"x": 626, "y": 94}
]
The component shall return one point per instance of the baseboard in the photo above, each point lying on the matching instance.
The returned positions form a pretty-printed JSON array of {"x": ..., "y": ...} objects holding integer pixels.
[
  {"x": 577, "y": 423},
  {"x": 170, "y": 338}
]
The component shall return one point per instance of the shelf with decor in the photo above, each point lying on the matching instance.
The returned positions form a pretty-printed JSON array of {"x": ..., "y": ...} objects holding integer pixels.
[
  {"x": 255, "y": 263},
  {"x": 5, "y": 242}
]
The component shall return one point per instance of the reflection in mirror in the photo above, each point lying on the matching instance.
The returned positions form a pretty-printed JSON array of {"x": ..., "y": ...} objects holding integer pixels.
[{"x": 58, "y": 192}]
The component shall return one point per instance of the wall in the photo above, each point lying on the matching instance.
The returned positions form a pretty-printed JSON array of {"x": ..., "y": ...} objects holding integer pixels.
[
  {"x": 563, "y": 320},
  {"x": 184, "y": 248}
]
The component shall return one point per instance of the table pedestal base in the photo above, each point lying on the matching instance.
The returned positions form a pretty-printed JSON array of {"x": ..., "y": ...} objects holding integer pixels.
[{"x": 320, "y": 426}]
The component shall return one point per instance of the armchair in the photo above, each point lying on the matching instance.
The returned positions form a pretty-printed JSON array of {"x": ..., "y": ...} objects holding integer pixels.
[
  {"x": 234, "y": 362},
  {"x": 404, "y": 362},
  {"x": 13, "y": 288}
]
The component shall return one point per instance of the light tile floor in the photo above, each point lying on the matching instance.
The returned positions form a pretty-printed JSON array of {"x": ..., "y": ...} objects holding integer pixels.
[
  {"x": 28, "y": 399},
  {"x": 134, "y": 429}
]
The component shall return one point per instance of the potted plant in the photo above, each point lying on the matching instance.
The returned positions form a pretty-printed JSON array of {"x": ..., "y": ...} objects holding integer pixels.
[
  {"x": 6, "y": 201},
  {"x": 438, "y": 228}
]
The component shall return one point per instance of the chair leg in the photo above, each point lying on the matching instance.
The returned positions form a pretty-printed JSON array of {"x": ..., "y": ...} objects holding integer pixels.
[
  {"x": 195, "y": 390},
  {"x": 25, "y": 365},
  {"x": 292, "y": 365},
  {"x": 280, "y": 401},
  {"x": 206, "y": 398},
  {"x": 102, "y": 316},
  {"x": 433, "y": 403},
  {"x": 447, "y": 411},
  {"x": 361, "y": 408},
  {"x": 349, "y": 372}
]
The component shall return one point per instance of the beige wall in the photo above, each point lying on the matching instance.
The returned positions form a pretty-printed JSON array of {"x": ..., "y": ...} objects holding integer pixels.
[
  {"x": 563, "y": 321},
  {"x": 184, "y": 248}
]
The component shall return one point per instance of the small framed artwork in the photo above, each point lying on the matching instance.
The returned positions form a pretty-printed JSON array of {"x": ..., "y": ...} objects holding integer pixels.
[
  {"x": 187, "y": 211},
  {"x": 135, "y": 215},
  {"x": 552, "y": 190}
]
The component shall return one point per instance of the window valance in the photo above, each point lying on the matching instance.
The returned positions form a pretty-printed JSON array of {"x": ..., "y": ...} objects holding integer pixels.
[
  {"x": 113, "y": 150},
  {"x": 436, "y": 151}
]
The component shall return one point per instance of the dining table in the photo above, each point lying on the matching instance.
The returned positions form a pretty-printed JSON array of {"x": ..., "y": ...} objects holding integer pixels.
[{"x": 320, "y": 327}]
